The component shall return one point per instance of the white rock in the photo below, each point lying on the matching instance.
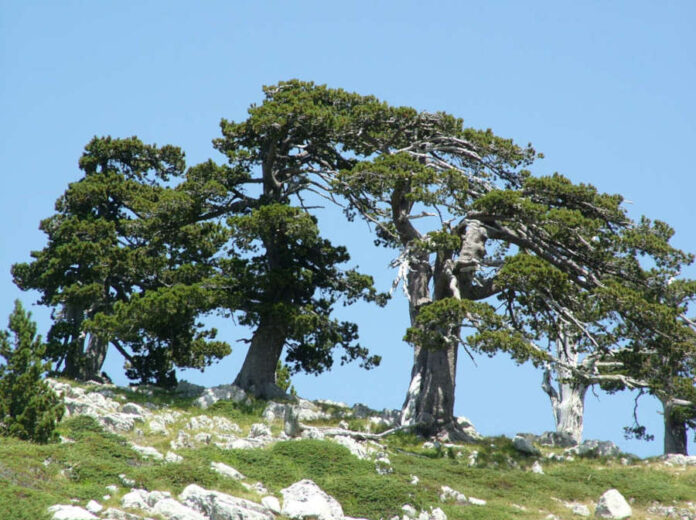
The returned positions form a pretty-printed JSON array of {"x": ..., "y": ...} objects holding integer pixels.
[
  {"x": 221, "y": 506},
  {"x": 274, "y": 411},
  {"x": 173, "y": 510},
  {"x": 147, "y": 452},
  {"x": 259, "y": 430},
  {"x": 213, "y": 395},
  {"x": 536, "y": 468},
  {"x": 312, "y": 433},
  {"x": 448, "y": 494},
  {"x": 112, "y": 488},
  {"x": 414, "y": 480},
  {"x": 613, "y": 505},
  {"x": 677, "y": 459},
  {"x": 135, "y": 409},
  {"x": 172, "y": 457},
  {"x": 227, "y": 471},
  {"x": 182, "y": 440},
  {"x": 358, "y": 449},
  {"x": 524, "y": 445},
  {"x": 409, "y": 511},
  {"x": 68, "y": 512},
  {"x": 128, "y": 482},
  {"x": 135, "y": 499},
  {"x": 116, "y": 514},
  {"x": 257, "y": 487},
  {"x": 305, "y": 500},
  {"x": 93, "y": 506},
  {"x": 158, "y": 426},
  {"x": 383, "y": 466},
  {"x": 438, "y": 514},
  {"x": 272, "y": 504},
  {"x": 476, "y": 501},
  {"x": 203, "y": 438},
  {"x": 580, "y": 509}
]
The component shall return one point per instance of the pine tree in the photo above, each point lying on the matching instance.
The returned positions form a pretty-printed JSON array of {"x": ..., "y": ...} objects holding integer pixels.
[{"x": 29, "y": 408}]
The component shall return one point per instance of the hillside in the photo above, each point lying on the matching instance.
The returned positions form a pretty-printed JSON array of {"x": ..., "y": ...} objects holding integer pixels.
[{"x": 215, "y": 454}]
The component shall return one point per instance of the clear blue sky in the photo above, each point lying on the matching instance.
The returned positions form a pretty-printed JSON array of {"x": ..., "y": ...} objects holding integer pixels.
[{"x": 604, "y": 89}]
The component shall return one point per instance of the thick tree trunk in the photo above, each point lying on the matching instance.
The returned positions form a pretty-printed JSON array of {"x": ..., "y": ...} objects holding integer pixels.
[
  {"x": 93, "y": 359},
  {"x": 430, "y": 399},
  {"x": 675, "y": 431},
  {"x": 257, "y": 375}
]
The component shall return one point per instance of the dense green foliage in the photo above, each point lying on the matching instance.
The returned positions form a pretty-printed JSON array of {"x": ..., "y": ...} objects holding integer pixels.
[{"x": 29, "y": 409}]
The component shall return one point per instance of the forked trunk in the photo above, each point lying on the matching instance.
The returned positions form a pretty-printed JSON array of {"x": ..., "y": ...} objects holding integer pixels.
[
  {"x": 675, "y": 431},
  {"x": 258, "y": 373}
]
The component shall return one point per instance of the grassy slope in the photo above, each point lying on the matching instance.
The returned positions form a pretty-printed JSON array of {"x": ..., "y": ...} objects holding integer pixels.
[{"x": 34, "y": 477}]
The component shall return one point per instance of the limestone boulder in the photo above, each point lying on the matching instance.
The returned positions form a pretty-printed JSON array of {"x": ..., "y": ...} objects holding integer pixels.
[
  {"x": 613, "y": 505},
  {"x": 304, "y": 500},
  {"x": 220, "y": 506}
]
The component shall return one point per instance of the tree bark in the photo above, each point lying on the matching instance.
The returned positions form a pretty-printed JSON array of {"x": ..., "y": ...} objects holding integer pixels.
[
  {"x": 568, "y": 398},
  {"x": 429, "y": 403},
  {"x": 257, "y": 375},
  {"x": 93, "y": 359},
  {"x": 675, "y": 431},
  {"x": 567, "y": 404}
]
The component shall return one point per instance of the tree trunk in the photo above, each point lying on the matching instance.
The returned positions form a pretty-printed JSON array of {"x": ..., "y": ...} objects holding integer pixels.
[
  {"x": 430, "y": 399},
  {"x": 567, "y": 404},
  {"x": 568, "y": 398},
  {"x": 93, "y": 359},
  {"x": 675, "y": 431},
  {"x": 258, "y": 372}
]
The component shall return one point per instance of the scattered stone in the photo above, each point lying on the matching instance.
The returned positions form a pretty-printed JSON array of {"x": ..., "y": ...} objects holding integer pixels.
[
  {"x": 256, "y": 488},
  {"x": 116, "y": 514},
  {"x": 312, "y": 433},
  {"x": 477, "y": 501},
  {"x": 358, "y": 449},
  {"x": 473, "y": 458},
  {"x": 579, "y": 509},
  {"x": 272, "y": 504},
  {"x": 134, "y": 409},
  {"x": 305, "y": 500},
  {"x": 383, "y": 465},
  {"x": 260, "y": 430},
  {"x": 414, "y": 480},
  {"x": 448, "y": 494},
  {"x": 112, "y": 488},
  {"x": 537, "y": 469},
  {"x": 172, "y": 457},
  {"x": 409, "y": 511},
  {"x": 557, "y": 439},
  {"x": 147, "y": 452},
  {"x": 69, "y": 512},
  {"x": 524, "y": 445},
  {"x": 211, "y": 396},
  {"x": 613, "y": 505},
  {"x": 227, "y": 471},
  {"x": 93, "y": 506},
  {"x": 186, "y": 389},
  {"x": 221, "y": 506},
  {"x": 343, "y": 425},
  {"x": 677, "y": 459},
  {"x": 128, "y": 482},
  {"x": 593, "y": 448},
  {"x": 291, "y": 423}
]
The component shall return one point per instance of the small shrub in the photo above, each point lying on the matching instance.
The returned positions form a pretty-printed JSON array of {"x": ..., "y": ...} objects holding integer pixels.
[{"x": 29, "y": 408}]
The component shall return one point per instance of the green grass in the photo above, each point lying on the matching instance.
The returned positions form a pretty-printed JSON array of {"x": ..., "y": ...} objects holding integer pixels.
[{"x": 33, "y": 477}]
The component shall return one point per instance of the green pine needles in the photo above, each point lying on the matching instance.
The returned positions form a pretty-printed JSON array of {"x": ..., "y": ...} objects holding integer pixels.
[{"x": 28, "y": 407}]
